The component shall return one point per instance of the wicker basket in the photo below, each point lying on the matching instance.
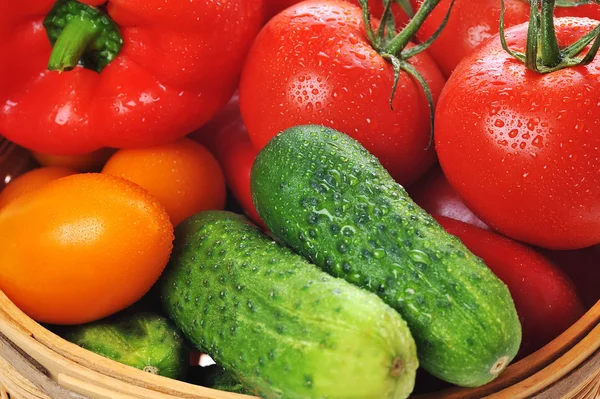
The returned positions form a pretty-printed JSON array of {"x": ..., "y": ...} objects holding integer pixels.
[{"x": 37, "y": 364}]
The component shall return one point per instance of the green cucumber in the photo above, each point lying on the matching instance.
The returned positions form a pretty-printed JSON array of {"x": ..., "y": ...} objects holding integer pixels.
[
  {"x": 143, "y": 340},
  {"x": 224, "y": 381},
  {"x": 330, "y": 200},
  {"x": 279, "y": 325}
]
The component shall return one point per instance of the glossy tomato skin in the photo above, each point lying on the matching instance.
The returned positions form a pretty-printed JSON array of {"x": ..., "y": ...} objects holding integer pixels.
[
  {"x": 226, "y": 137},
  {"x": 401, "y": 18},
  {"x": 183, "y": 175},
  {"x": 312, "y": 63},
  {"x": 522, "y": 149},
  {"x": 471, "y": 23},
  {"x": 434, "y": 194},
  {"x": 82, "y": 247},
  {"x": 89, "y": 162},
  {"x": 274, "y": 7},
  {"x": 546, "y": 300},
  {"x": 586, "y": 10},
  {"x": 32, "y": 180}
]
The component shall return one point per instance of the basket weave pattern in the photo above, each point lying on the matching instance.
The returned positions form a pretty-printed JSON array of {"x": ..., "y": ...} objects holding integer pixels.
[{"x": 36, "y": 364}]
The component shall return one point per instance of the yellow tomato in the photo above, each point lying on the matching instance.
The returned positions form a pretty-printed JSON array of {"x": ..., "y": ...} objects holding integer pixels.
[
  {"x": 32, "y": 180},
  {"x": 184, "y": 176},
  {"x": 82, "y": 247},
  {"x": 91, "y": 162}
]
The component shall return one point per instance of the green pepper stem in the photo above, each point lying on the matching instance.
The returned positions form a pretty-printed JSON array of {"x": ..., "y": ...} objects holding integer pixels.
[
  {"x": 550, "y": 52},
  {"x": 72, "y": 43},
  {"x": 398, "y": 43}
]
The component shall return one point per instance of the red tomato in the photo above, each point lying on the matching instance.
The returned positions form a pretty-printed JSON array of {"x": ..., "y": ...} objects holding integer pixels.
[
  {"x": 274, "y": 7},
  {"x": 471, "y": 23},
  {"x": 226, "y": 137},
  {"x": 434, "y": 194},
  {"x": 474, "y": 21},
  {"x": 313, "y": 64},
  {"x": 585, "y": 10},
  {"x": 523, "y": 149},
  {"x": 400, "y": 16},
  {"x": 545, "y": 298},
  {"x": 583, "y": 266}
]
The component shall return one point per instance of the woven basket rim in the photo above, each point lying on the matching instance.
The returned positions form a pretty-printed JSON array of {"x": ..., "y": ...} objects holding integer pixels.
[{"x": 573, "y": 347}]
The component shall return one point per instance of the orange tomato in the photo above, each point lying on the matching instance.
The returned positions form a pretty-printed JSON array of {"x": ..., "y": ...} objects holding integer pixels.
[
  {"x": 91, "y": 162},
  {"x": 184, "y": 176},
  {"x": 32, "y": 180},
  {"x": 82, "y": 247}
]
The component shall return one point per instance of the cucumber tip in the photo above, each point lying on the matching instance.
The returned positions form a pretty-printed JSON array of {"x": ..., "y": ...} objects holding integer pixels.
[
  {"x": 499, "y": 365},
  {"x": 397, "y": 367}
]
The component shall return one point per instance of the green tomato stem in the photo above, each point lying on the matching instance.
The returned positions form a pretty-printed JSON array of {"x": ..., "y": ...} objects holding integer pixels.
[
  {"x": 398, "y": 43},
  {"x": 72, "y": 43},
  {"x": 550, "y": 52},
  {"x": 407, "y": 7},
  {"x": 543, "y": 54}
]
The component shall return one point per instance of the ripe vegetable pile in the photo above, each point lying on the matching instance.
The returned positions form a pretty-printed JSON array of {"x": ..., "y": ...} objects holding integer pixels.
[{"x": 323, "y": 196}]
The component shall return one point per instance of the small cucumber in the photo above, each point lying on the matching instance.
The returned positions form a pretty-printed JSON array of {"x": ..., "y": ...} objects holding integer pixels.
[
  {"x": 224, "y": 381},
  {"x": 329, "y": 199},
  {"x": 144, "y": 340},
  {"x": 215, "y": 377},
  {"x": 279, "y": 325}
]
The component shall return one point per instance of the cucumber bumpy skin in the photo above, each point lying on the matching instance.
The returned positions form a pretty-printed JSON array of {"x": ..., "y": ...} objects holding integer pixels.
[
  {"x": 329, "y": 199},
  {"x": 144, "y": 340},
  {"x": 281, "y": 326}
]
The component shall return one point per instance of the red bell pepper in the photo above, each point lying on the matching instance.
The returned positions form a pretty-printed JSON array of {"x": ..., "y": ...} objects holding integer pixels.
[
  {"x": 226, "y": 137},
  {"x": 78, "y": 76}
]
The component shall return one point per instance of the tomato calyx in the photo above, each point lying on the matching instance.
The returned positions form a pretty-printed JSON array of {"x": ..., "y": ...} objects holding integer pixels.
[
  {"x": 392, "y": 45},
  {"x": 543, "y": 54},
  {"x": 81, "y": 35}
]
